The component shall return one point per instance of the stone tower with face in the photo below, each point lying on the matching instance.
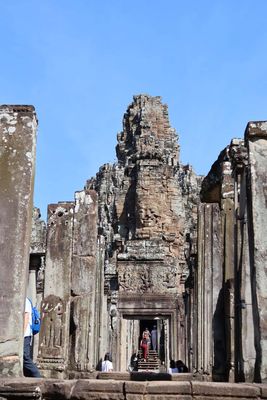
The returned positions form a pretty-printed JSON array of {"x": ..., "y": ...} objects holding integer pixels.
[{"x": 145, "y": 213}]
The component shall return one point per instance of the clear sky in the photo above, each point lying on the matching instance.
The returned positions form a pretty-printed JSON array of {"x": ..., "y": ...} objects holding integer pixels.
[{"x": 79, "y": 62}]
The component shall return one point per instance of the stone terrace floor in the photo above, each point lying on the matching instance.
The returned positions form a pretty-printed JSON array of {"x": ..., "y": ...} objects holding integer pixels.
[{"x": 131, "y": 389}]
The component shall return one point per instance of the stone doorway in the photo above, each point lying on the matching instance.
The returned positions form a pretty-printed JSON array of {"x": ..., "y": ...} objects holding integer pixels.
[{"x": 132, "y": 330}]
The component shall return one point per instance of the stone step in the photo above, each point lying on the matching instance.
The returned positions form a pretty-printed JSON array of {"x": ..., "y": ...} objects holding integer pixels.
[{"x": 152, "y": 362}]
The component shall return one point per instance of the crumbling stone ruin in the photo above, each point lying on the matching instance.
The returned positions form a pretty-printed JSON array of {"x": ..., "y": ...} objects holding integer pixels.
[{"x": 148, "y": 243}]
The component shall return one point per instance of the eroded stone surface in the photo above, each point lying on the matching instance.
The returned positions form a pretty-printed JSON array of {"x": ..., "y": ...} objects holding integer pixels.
[
  {"x": 110, "y": 389},
  {"x": 136, "y": 245},
  {"x": 17, "y": 164},
  {"x": 236, "y": 182}
]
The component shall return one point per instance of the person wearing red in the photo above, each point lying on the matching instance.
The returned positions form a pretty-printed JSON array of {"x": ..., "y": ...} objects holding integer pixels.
[{"x": 144, "y": 347}]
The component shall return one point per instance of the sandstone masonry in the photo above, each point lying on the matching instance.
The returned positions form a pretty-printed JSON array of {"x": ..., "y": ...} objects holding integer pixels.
[{"x": 148, "y": 243}]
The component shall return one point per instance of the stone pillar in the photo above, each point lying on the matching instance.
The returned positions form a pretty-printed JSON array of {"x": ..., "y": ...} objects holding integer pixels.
[
  {"x": 210, "y": 324},
  {"x": 245, "y": 348},
  {"x": 256, "y": 139},
  {"x": 83, "y": 281},
  {"x": 244, "y": 326},
  {"x": 228, "y": 229},
  {"x": 54, "y": 334},
  {"x": 103, "y": 327},
  {"x": 17, "y": 162},
  {"x": 37, "y": 260}
]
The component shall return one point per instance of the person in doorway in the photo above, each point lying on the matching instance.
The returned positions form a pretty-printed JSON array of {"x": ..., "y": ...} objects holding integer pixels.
[
  {"x": 134, "y": 362},
  {"x": 144, "y": 347},
  {"x": 181, "y": 366},
  {"x": 146, "y": 335},
  {"x": 154, "y": 337},
  {"x": 29, "y": 368},
  {"x": 173, "y": 369},
  {"x": 107, "y": 365},
  {"x": 162, "y": 367}
]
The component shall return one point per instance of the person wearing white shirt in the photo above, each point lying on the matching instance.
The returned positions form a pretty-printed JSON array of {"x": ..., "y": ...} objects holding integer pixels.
[
  {"x": 107, "y": 365},
  {"x": 29, "y": 368}
]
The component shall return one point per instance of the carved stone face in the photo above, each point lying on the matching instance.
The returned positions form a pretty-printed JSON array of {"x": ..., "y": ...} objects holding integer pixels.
[{"x": 148, "y": 216}]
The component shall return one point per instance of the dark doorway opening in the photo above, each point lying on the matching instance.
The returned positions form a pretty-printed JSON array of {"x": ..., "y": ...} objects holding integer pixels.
[
  {"x": 146, "y": 323},
  {"x": 159, "y": 324}
]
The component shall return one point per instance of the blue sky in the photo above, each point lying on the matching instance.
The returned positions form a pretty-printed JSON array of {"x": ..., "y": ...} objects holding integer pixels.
[{"x": 80, "y": 62}]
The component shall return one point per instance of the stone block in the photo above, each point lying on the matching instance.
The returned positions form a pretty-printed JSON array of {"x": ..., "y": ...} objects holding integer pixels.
[
  {"x": 256, "y": 129},
  {"x": 214, "y": 397},
  {"x": 17, "y": 389},
  {"x": 139, "y": 388},
  {"x": 82, "y": 375},
  {"x": 161, "y": 388},
  {"x": 83, "y": 275},
  {"x": 96, "y": 389},
  {"x": 57, "y": 389},
  {"x": 182, "y": 377},
  {"x": 231, "y": 390},
  {"x": 85, "y": 223},
  {"x": 263, "y": 389},
  {"x": 59, "y": 249},
  {"x": 117, "y": 376}
]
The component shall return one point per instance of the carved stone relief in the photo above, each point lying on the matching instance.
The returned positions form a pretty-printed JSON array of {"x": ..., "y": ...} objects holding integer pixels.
[
  {"x": 52, "y": 330},
  {"x": 145, "y": 278}
]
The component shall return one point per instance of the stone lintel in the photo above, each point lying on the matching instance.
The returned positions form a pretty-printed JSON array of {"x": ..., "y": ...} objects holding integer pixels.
[
  {"x": 156, "y": 305},
  {"x": 256, "y": 129}
]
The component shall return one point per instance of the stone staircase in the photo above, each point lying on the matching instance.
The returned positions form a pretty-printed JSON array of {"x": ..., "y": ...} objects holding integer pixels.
[{"x": 152, "y": 362}]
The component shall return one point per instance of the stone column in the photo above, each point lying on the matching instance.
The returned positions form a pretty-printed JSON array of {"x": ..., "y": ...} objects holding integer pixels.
[
  {"x": 55, "y": 310},
  {"x": 210, "y": 324},
  {"x": 17, "y": 162},
  {"x": 256, "y": 139},
  {"x": 218, "y": 316},
  {"x": 83, "y": 281},
  {"x": 228, "y": 229},
  {"x": 245, "y": 327}
]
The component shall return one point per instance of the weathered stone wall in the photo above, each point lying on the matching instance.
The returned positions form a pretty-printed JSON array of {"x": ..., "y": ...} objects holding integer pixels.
[
  {"x": 67, "y": 336},
  {"x": 256, "y": 140},
  {"x": 17, "y": 165},
  {"x": 136, "y": 245},
  {"x": 237, "y": 183}
]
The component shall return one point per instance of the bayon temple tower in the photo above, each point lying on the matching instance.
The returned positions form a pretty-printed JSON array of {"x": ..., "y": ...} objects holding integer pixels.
[
  {"x": 149, "y": 244},
  {"x": 118, "y": 258}
]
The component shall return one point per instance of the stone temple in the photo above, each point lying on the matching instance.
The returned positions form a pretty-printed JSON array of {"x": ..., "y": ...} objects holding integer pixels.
[{"x": 146, "y": 243}]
